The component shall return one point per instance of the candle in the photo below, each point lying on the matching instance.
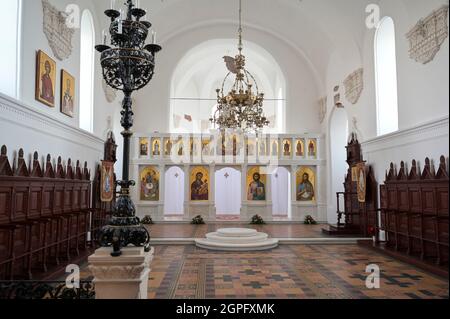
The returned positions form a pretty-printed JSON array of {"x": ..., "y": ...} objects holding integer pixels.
[
  {"x": 145, "y": 16},
  {"x": 137, "y": 4},
  {"x": 113, "y": 4},
  {"x": 104, "y": 35},
  {"x": 153, "y": 37},
  {"x": 120, "y": 26}
]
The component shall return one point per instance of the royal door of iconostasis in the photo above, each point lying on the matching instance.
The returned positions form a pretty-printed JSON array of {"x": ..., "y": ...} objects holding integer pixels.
[
  {"x": 228, "y": 194},
  {"x": 174, "y": 193},
  {"x": 281, "y": 193}
]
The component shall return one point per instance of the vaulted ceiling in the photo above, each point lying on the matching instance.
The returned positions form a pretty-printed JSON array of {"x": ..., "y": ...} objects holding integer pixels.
[{"x": 314, "y": 27}]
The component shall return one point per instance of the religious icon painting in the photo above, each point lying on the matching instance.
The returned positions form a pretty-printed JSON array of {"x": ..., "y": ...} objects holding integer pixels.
[
  {"x": 355, "y": 173},
  {"x": 199, "y": 183},
  {"x": 180, "y": 147},
  {"x": 361, "y": 188},
  {"x": 206, "y": 146},
  {"x": 256, "y": 184},
  {"x": 107, "y": 182},
  {"x": 149, "y": 179},
  {"x": 156, "y": 147},
  {"x": 305, "y": 184},
  {"x": 167, "y": 147},
  {"x": 251, "y": 146},
  {"x": 274, "y": 148},
  {"x": 300, "y": 148},
  {"x": 287, "y": 148},
  {"x": 45, "y": 79},
  {"x": 312, "y": 148},
  {"x": 143, "y": 146},
  {"x": 262, "y": 146},
  {"x": 67, "y": 93}
]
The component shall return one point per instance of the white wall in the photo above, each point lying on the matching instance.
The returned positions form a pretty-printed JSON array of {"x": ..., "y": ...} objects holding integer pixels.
[
  {"x": 152, "y": 102},
  {"x": 34, "y": 39},
  {"x": 34, "y": 126}
]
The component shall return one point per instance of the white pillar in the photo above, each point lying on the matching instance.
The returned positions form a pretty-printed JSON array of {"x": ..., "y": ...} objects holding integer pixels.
[
  {"x": 162, "y": 190},
  {"x": 212, "y": 193},
  {"x": 244, "y": 207},
  {"x": 187, "y": 192},
  {"x": 123, "y": 277},
  {"x": 294, "y": 208}
]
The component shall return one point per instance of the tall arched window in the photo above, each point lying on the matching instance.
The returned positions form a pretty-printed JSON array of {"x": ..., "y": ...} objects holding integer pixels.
[
  {"x": 9, "y": 62},
  {"x": 386, "y": 77},
  {"x": 87, "y": 72}
]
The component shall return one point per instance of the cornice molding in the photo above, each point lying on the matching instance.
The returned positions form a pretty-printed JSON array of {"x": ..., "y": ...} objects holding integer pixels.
[
  {"x": 427, "y": 131},
  {"x": 20, "y": 114}
]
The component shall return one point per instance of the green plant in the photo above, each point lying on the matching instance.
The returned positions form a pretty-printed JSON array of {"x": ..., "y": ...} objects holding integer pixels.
[
  {"x": 257, "y": 220},
  {"x": 309, "y": 220},
  {"x": 147, "y": 220},
  {"x": 197, "y": 220}
]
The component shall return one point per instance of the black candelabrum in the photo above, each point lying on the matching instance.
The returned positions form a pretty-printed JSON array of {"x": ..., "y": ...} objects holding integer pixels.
[{"x": 128, "y": 65}]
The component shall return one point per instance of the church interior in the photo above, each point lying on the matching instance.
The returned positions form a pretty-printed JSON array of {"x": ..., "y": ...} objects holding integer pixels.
[{"x": 211, "y": 149}]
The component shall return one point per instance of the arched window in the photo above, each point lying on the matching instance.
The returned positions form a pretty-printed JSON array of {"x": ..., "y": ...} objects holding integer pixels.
[
  {"x": 9, "y": 62},
  {"x": 202, "y": 70},
  {"x": 87, "y": 72},
  {"x": 386, "y": 77}
]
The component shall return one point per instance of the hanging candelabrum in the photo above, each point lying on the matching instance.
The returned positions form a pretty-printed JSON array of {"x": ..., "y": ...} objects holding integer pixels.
[
  {"x": 128, "y": 65},
  {"x": 242, "y": 107}
]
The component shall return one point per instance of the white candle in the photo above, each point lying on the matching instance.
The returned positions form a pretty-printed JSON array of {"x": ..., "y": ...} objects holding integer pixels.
[
  {"x": 104, "y": 35},
  {"x": 153, "y": 37},
  {"x": 137, "y": 4},
  {"x": 120, "y": 27},
  {"x": 113, "y": 4},
  {"x": 144, "y": 18}
]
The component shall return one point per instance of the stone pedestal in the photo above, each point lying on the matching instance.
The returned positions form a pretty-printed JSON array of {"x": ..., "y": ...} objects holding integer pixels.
[{"x": 124, "y": 277}]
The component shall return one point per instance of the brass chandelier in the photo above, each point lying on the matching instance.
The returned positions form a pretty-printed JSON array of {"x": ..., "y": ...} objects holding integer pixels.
[{"x": 242, "y": 108}]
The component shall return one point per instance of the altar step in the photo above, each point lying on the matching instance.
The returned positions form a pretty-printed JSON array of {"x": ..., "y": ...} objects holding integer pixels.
[
  {"x": 281, "y": 241},
  {"x": 335, "y": 230},
  {"x": 237, "y": 239}
]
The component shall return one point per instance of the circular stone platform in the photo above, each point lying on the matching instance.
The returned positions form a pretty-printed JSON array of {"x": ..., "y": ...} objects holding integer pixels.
[{"x": 237, "y": 239}]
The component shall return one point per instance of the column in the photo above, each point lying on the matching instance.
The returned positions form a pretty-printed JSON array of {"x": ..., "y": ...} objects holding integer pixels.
[
  {"x": 187, "y": 197},
  {"x": 244, "y": 208},
  {"x": 162, "y": 190},
  {"x": 212, "y": 193},
  {"x": 294, "y": 209},
  {"x": 269, "y": 200}
]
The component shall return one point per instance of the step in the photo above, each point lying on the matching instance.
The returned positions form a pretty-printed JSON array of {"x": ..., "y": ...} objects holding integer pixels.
[
  {"x": 237, "y": 232},
  {"x": 216, "y": 237},
  {"x": 264, "y": 245}
]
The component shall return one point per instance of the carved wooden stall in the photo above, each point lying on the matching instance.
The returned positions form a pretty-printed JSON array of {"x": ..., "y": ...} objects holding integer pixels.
[
  {"x": 414, "y": 210},
  {"x": 44, "y": 214},
  {"x": 360, "y": 218}
]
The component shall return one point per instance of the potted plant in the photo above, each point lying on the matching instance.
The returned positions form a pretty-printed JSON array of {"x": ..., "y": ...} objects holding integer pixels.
[
  {"x": 147, "y": 220},
  {"x": 257, "y": 220},
  {"x": 198, "y": 220},
  {"x": 309, "y": 220}
]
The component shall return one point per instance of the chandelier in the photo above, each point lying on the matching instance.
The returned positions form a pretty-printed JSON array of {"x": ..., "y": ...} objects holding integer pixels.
[
  {"x": 128, "y": 65},
  {"x": 242, "y": 107}
]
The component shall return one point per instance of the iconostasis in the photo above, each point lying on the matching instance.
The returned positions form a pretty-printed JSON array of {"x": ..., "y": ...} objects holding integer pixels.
[{"x": 262, "y": 168}]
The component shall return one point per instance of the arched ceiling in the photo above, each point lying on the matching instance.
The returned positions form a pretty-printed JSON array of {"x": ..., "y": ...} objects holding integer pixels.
[{"x": 317, "y": 28}]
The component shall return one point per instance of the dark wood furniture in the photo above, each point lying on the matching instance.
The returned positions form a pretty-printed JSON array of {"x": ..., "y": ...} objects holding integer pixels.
[
  {"x": 414, "y": 212},
  {"x": 102, "y": 211},
  {"x": 360, "y": 219},
  {"x": 44, "y": 214}
]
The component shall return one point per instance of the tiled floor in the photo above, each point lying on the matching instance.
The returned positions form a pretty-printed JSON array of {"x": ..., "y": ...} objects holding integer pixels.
[
  {"x": 286, "y": 272},
  {"x": 299, "y": 271},
  {"x": 199, "y": 231}
]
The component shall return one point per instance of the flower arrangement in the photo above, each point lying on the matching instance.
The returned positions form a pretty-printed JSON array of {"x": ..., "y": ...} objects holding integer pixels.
[
  {"x": 198, "y": 220},
  {"x": 257, "y": 220},
  {"x": 147, "y": 220},
  {"x": 309, "y": 220}
]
